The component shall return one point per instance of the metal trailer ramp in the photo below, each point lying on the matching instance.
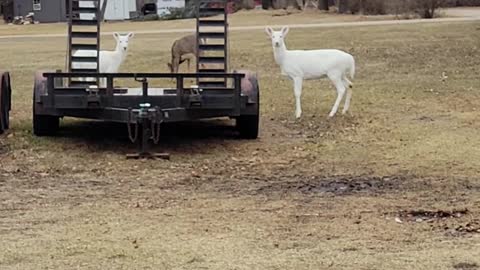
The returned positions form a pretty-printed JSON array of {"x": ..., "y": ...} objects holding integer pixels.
[
  {"x": 84, "y": 40},
  {"x": 212, "y": 40}
]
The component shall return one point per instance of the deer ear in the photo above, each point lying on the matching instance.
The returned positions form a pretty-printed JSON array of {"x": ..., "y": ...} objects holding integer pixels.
[
  {"x": 269, "y": 31},
  {"x": 285, "y": 30},
  {"x": 116, "y": 35},
  {"x": 131, "y": 35}
]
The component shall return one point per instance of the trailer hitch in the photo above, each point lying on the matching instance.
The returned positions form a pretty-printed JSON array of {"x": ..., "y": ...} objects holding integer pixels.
[{"x": 146, "y": 128}]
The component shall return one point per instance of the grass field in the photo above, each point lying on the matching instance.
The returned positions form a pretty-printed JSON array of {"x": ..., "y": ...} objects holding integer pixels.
[
  {"x": 242, "y": 18},
  {"x": 393, "y": 185}
]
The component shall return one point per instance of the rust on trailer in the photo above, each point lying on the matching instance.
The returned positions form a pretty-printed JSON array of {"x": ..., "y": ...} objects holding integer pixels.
[{"x": 249, "y": 85}]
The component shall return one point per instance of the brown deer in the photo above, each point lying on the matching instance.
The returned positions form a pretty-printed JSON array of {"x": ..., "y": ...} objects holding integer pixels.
[{"x": 186, "y": 45}]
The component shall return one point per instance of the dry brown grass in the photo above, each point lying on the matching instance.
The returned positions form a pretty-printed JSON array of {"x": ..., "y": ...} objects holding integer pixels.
[{"x": 74, "y": 202}]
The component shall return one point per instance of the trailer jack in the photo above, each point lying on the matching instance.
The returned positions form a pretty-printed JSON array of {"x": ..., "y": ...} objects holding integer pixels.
[{"x": 146, "y": 128}]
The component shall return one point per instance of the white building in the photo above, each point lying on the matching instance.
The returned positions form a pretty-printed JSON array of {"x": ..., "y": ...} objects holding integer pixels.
[
  {"x": 122, "y": 9},
  {"x": 119, "y": 9}
]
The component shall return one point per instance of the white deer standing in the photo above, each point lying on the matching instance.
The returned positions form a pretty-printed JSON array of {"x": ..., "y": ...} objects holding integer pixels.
[
  {"x": 110, "y": 61},
  {"x": 300, "y": 65}
]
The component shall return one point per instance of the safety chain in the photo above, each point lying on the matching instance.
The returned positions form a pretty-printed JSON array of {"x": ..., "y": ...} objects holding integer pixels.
[
  {"x": 133, "y": 138},
  {"x": 155, "y": 125}
]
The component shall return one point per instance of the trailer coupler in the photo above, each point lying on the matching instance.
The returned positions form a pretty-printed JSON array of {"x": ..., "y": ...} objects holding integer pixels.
[{"x": 144, "y": 130}]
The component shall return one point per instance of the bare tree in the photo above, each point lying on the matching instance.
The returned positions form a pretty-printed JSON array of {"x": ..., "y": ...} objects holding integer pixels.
[
  {"x": 266, "y": 4},
  {"x": 247, "y": 4},
  {"x": 343, "y": 6},
  {"x": 430, "y": 6},
  {"x": 427, "y": 8}
]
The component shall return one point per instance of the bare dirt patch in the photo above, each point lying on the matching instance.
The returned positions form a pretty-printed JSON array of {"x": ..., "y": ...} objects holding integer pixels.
[
  {"x": 467, "y": 228},
  {"x": 456, "y": 222},
  {"x": 465, "y": 266},
  {"x": 3, "y": 148},
  {"x": 428, "y": 215},
  {"x": 336, "y": 186}
]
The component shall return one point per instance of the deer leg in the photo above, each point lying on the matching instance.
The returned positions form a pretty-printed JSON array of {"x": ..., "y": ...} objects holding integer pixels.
[
  {"x": 348, "y": 85},
  {"x": 338, "y": 82},
  {"x": 297, "y": 90},
  {"x": 176, "y": 62}
]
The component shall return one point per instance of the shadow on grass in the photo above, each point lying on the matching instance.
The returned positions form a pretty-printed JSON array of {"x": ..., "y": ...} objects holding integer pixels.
[{"x": 177, "y": 137}]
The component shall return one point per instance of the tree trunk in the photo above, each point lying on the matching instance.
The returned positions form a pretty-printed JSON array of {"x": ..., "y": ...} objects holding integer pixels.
[
  {"x": 300, "y": 4},
  {"x": 280, "y": 4},
  {"x": 342, "y": 6},
  {"x": 266, "y": 4},
  {"x": 361, "y": 8},
  {"x": 248, "y": 4},
  {"x": 323, "y": 5}
]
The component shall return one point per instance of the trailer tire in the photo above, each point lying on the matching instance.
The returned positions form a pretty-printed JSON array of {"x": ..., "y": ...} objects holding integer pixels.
[
  {"x": 5, "y": 101},
  {"x": 248, "y": 125},
  {"x": 43, "y": 125},
  {"x": 2, "y": 117}
]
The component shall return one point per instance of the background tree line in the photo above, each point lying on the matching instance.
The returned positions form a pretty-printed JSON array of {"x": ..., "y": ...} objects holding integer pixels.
[{"x": 424, "y": 8}]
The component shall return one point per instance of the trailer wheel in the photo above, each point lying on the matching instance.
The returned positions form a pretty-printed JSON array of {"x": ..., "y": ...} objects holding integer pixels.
[
  {"x": 5, "y": 101},
  {"x": 43, "y": 125},
  {"x": 248, "y": 125},
  {"x": 2, "y": 112}
]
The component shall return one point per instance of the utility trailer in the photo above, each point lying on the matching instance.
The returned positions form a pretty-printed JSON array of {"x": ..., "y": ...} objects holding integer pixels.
[
  {"x": 5, "y": 101},
  {"x": 143, "y": 109}
]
